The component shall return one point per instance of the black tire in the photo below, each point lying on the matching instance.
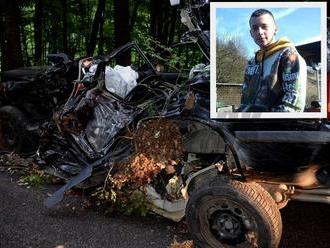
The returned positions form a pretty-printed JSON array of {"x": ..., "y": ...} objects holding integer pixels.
[
  {"x": 13, "y": 134},
  {"x": 228, "y": 213}
]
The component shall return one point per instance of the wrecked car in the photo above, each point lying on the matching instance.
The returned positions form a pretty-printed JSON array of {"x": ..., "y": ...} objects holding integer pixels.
[
  {"x": 139, "y": 129},
  {"x": 28, "y": 98}
]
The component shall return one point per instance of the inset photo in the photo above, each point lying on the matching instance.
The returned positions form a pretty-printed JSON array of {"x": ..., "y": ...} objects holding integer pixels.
[{"x": 268, "y": 60}]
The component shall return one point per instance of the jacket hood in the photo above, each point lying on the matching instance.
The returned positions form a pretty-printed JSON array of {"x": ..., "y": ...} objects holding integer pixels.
[{"x": 272, "y": 48}]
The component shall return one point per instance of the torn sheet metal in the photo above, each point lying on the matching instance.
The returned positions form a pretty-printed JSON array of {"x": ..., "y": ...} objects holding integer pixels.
[
  {"x": 107, "y": 118},
  {"x": 174, "y": 209},
  {"x": 94, "y": 123},
  {"x": 118, "y": 153},
  {"x": 58, "y": 195}
]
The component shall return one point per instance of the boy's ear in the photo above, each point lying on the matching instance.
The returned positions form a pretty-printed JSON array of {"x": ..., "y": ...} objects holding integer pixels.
[{"x": 276, "y": 30}]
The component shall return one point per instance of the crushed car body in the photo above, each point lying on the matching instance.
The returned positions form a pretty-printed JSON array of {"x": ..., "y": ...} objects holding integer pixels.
[
  {"x": 29, "y": 97},
  {"x": 95, "y": 124},
  {"x": 134, "y": 128}
]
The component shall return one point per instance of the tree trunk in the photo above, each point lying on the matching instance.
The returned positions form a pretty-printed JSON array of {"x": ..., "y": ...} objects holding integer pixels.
[
  {"x": 172, "y": 26},
  {"x": 122, "y": 29},
  {"x": 165, "y": 21},
  {"x": 133, "y": 14},
  {"x": 161, "y": 24},
  {"x": 38, "y": 32},
  {"x": 26, "y": 57},
  {"x": 12, "y": 43},
  {"x": 153, "y": 11},
  {"x": 65, "y": 26},
  {"x": 83, "y": 35},
  {"x": 101, "y": 36},
  {"x": 2, "y": 39},
  {"x": 95, "y": 27}
]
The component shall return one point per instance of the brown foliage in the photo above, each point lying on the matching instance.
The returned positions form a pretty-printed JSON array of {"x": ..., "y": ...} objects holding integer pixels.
[
  {"x": 185, "y": 244},
  {"x": 158, "y": 145}
]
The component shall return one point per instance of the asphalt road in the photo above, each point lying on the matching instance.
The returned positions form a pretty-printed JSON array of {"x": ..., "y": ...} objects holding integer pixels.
[{"x": 25, "y": 222}]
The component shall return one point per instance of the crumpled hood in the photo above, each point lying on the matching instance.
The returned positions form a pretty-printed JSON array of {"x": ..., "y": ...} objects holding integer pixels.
[{"x": 272, "y": 48}]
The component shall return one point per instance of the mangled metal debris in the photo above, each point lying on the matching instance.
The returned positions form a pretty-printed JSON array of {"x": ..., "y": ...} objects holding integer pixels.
[
  {"x": 28, "y": 97},
  {"x": 93, "y": 130},
  {"x": 138, "y": 142}
]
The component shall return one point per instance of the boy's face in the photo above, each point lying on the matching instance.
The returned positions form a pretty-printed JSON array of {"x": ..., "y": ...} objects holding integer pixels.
[{"x": 263, "y": 30}]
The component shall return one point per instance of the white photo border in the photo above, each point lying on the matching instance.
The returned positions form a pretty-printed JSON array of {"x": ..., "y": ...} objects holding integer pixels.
[{"x": 268, "y": 115}]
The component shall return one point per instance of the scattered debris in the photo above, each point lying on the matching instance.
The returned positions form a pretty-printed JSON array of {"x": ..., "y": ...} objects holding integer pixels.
[
  {"x": 185, "y": 244},
  {"x": 182, "y": 227},
  {"x": 30, "y": 173},
  {"x": 15, "y": 160}
]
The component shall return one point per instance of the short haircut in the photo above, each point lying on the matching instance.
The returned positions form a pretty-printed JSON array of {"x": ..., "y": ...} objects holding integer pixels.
[{"x": 260, "y": 12}]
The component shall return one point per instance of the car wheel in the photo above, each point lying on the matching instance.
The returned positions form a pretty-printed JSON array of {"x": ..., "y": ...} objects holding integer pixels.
[
  {"x": 12, "y": 129},
  {"x": 228, "y": 213}
]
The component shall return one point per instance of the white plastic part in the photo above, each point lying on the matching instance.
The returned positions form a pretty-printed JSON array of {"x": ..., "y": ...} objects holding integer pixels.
[
  {"x": 120, "y": 80},
  {"x": 175, "y": 2},
  {"x": 174, "y": 209}
]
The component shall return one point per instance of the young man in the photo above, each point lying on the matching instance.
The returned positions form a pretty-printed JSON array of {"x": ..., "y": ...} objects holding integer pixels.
[{"x": 275, "y": 80}]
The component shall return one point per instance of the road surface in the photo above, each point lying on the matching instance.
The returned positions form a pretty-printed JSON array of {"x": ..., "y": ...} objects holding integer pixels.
[{"x": 25, "y": 222}]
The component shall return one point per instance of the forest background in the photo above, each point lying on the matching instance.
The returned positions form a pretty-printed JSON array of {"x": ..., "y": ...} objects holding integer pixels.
[{"x": 32, "y": 29}]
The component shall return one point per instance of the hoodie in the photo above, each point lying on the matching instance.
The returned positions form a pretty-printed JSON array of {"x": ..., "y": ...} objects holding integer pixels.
[{"x": 275, "y": 80}]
